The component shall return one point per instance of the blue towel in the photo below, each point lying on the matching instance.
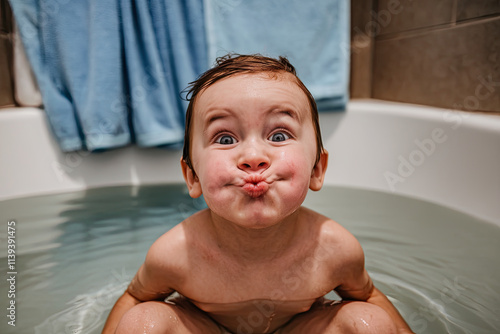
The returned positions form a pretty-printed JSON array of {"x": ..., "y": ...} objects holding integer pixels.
[
  {"x": 314, "y": 35},
  {"x": 110, "y": 72}
]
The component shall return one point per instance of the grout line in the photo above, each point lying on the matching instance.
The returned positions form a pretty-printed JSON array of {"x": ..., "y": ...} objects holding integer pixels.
[
  {"x": 415, "y": 32},
  {"x": 454, "y": 12},
  {"x": 488, "y": 17}
]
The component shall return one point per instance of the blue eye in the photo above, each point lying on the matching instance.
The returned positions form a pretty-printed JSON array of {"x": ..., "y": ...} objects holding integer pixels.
[
  {"x": 279, "y": 136},
  {"x": 225, "y": 140}
]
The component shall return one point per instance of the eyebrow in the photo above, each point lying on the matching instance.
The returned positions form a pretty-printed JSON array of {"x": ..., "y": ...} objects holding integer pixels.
[
  {"x": 216, "y": 114},
  {"x": 289, "y": 112}
]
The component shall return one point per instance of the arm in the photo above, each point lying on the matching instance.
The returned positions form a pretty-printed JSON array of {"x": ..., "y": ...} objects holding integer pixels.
[
  {"x": 371, "y": 294},
  {"x": 152, "y": 282},
  {"x": 136, "y": 293},
  {"x": 379, "y": 299},
  {"x": 359, "y": 286},
  {"x": 122, "y": 305}
]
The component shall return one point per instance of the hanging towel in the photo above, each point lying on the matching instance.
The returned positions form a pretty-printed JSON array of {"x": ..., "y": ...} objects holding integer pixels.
[
  {"x": 110, "y": 72},
  {"x": 314, "y": 35},
  {"x": 165, "y": 49}
]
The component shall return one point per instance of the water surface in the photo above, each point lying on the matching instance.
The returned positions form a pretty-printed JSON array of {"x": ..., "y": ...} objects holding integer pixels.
[{"x": 76, "y": 253}]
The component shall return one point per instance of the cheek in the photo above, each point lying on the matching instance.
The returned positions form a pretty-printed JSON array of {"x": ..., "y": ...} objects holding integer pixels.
[
  {"x": 214, "y": 174},
  {"x": 296, "y": 162},
  {"x": 296, "y": 166},
  {"x": 296, "y": 172}
]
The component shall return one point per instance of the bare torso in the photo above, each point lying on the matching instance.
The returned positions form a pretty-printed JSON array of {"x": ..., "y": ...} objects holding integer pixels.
[{"x": 261, "y": 294}]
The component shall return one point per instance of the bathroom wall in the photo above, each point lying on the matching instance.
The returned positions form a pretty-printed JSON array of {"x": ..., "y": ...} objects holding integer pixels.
[
  {"x": 6, "y": 83},
  {"x": 442, "y": 53},
  {"x": 362, "y": 45}
]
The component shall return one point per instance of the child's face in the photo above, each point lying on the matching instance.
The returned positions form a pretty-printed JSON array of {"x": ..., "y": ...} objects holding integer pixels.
[{"x": 253, "y": 149}]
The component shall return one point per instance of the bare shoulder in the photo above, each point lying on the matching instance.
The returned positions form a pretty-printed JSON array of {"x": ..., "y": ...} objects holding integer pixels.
[
  {"x": 333, "y": 238},
  {"x": 328, "y": 228},
  {"x": 172, "y": 247},
  {"x": 345, "y": 260},
  {"x": 337, "y": 251},
  {"x": 165, "y": 268},
  {"x": 171, "y": 242}
]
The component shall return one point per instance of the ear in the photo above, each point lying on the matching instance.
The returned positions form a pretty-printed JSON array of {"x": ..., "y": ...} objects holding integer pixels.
[
  {"x": 192, "y": 182},
  {"x": 318, "y": 172}
]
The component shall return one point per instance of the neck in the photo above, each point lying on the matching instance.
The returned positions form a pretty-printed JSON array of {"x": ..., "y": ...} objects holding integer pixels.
[{"x": 254, "y": 245}]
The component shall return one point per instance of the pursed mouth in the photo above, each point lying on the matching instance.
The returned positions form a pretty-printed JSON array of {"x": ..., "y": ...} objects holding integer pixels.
[{"x": 255, "y": 186}]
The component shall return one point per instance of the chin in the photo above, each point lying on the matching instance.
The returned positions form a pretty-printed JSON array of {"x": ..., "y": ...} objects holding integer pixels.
[
  {"x": 261, "y": 219},
  {"x": 261, "y": 225}
]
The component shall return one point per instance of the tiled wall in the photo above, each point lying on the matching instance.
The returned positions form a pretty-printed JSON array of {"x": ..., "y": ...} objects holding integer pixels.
[
  {"x": 362, "y": 45},
  {"x": 443, "y": 53},
  {"x": 6, "y": 84}
]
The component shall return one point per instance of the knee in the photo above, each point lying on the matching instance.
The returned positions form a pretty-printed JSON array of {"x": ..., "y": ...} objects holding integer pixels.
[
  {"x": 148, "y": 317},
  {"x": 366, "y": 318}
]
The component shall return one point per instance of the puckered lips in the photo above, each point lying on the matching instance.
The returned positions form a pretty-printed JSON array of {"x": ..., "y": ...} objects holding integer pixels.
[{"x": 255, "y": 185}]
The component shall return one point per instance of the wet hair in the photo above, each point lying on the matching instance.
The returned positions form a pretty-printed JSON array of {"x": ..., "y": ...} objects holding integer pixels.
[{"x": 235, "y": 64}]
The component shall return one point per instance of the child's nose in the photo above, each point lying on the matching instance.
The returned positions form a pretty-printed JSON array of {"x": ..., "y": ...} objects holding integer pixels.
[{"x": 254, "y": 160}]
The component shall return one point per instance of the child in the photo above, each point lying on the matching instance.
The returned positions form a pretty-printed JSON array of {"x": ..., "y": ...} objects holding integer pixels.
[{"x": 255, "y": 261}]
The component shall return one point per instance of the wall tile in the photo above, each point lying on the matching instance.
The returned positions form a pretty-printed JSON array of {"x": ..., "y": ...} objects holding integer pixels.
[
  {"x": 6, "y": 89},
  {"x": 395, "y": 16},
  {"x": 6, "y": 20},
  {"x": 362, "y": 42},
  {"x": 360, "y": 14},
  {"x": 456, "y": 67},
  {"x": 361, "y": 71},
  {"x": 468, "y": 9}
]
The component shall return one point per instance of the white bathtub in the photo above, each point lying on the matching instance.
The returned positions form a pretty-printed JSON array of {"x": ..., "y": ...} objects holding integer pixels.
[{"x": 443, "y": 156}]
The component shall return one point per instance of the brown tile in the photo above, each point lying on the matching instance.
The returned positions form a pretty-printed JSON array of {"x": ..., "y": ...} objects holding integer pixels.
[
  {"x": 6, "y": 88},
  {"x": 455, "y": 67},
  {"x": 468, "y": 9},
  {"x": 6, "y": 19},
  {"x": 360, "y": 14},
  {"x": 394, "y": 16},
  {"x": 362, "y": 42},
  {"x": 361, "y": 70}
]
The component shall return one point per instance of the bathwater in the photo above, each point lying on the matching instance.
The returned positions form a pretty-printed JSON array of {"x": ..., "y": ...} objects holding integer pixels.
[{"x": 76, "y": 253}]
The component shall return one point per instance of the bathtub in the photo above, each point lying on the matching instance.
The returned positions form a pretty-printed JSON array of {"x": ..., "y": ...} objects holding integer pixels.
[{"x": 447, "y": 157}]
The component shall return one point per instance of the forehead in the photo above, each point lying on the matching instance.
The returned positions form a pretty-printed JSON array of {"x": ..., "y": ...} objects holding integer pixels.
[{"x": 257, "y": 90}]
